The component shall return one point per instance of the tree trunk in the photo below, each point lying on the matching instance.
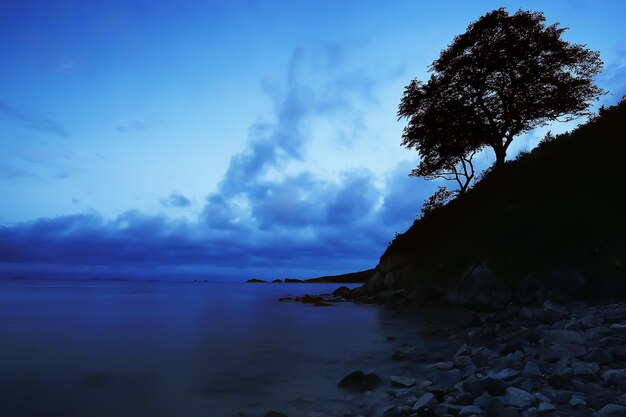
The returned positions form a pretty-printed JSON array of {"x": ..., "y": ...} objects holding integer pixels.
[{"x": 500, "y": 152}]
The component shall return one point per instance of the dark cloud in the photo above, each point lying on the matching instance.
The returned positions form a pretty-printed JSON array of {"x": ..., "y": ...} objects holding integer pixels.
[
  {"x": 32, "y": 121},
  {"x": 176, "y": 200},
  {"x": 133, "y": 126}
]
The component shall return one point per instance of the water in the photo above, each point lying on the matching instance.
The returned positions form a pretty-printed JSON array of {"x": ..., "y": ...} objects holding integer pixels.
[{"x": 88, "y": 348}]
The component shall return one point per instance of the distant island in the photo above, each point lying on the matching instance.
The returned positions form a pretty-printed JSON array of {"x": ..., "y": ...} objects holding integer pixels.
[{"x": 349, "y": 278}]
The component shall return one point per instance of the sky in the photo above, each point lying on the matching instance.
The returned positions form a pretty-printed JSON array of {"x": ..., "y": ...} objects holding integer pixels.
[{"x": 227, "y": 139}]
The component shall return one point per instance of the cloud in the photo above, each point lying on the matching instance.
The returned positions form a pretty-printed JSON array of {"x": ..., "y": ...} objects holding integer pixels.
[
  {"x": 133, "y": 126},
  {"x": 269, "y": 216},
  {"x": 176, "y": 200},
  {"x": 32, "y": 121},
  {"x": 331, "y": 227}
]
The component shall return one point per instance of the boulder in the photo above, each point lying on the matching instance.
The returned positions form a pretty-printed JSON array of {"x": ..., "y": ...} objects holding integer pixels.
[
  {"x": 470, "y": 410},
  {"x": 426, "y": 402},
  {"x": 615, "y": 377},
  {"x": 532, "y": 370},
  {"x": 343, "y": 292},
  {"x": 479, "y": 288},
  {"x": 562, "y": 283},
  {"x": 274, "y": 414},
  {"x": 611, "y": 410},
  {"x": 600, "y": 356},
  {"x": 401, "y": 381},
  {"x": 375, "y": 284},
  {"x": 518, "y": 398},
  {"x": 360, "y": 381},
  {"x": 476, "y": 387}
]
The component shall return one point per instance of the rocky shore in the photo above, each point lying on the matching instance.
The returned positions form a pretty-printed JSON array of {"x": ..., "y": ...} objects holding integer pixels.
[{"x": 548, "y": 360}]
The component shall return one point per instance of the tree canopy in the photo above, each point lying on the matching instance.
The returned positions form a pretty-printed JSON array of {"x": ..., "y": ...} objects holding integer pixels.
[{"x": 504, "y": 76}]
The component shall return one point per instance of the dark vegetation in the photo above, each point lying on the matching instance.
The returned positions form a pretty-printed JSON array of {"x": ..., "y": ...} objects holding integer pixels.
[
  {"x": 560, "y": 205},
  {"x": 351, "y": 278}
]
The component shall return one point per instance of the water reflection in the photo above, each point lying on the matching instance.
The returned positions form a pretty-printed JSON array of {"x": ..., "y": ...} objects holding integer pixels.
[{"x": 191, "y": 349}]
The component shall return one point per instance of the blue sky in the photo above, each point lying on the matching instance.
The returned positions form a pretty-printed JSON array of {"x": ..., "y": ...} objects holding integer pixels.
[{"x": 226, "y": 138}]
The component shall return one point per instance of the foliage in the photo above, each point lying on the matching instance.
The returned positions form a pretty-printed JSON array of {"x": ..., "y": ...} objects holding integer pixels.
[
  {"x": 440, "y": 198},
  {"x": 504, "y": 76}
]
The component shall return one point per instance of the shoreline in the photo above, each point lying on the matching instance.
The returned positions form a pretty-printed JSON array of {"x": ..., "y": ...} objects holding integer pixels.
[{"x": 552, "y": 360}]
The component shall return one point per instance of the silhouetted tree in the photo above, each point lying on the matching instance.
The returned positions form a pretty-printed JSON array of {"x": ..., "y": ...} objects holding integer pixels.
[{"x": 504, "y": 76}]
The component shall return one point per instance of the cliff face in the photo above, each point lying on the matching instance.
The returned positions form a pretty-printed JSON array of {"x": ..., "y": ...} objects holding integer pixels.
[{"x": 551, "y": 223}]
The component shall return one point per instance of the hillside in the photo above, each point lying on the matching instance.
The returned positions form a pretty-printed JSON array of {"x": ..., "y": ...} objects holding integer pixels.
[
  {"x": 556, "y": 213},
  {"x": 350, "y": 278}
]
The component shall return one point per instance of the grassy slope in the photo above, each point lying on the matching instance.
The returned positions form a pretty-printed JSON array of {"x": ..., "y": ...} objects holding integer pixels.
[{"x": 561, "y": 204}]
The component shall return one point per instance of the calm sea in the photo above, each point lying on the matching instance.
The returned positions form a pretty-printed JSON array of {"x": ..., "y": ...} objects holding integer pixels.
[{"x": 92, "y": 348}]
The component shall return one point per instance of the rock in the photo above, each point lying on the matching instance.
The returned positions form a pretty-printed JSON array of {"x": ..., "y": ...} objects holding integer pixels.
[
  {"x": 256, "y": 281},
  {"x": 274, "y": 414},
  {"x": 479, "y": 288},
  {"x": 480, "y": 359},
  {"x": 545, "y": 408},
  {"x": 619, "y": 352},
  {"x": 563, "y": 337},
  {"x": 443, "y": 366},
  {"x": 462, "y": 361},
  {"x": 401, "y": 381},
  {"x": 560, "y": 344},
  {"x": 343, "y": 292},
  {"x": 576, "y": 401},
  {"x": 462, "y": 351},
  {"x": 359, "y": 381},
  {"x": 611, "y": 410},
  {"x": 447, "y": 378},
  {"x": 600, "y": 356},
  {"x": 426, "y": 402},
  {"x": 589, "y": 321},
  {"x": 532, "y": 370},
  {"x": 615, "y": 377},
  {"x": 483, "y": 400},
  {"x": 518, "y": 398},
  {"x": 470, "y": 410},
  {"x": 403, "y": 353},
  {"x": 585, "y": 369},
  {"x": 277, "y": 281},
  {"x": 375, "y": 283},
  {"x": 516, "y": 345},
  {"x": 531, "y": 412},
  {"x": 396, "y": 411},
  {"x": 490, "y": 385},
  {"x": 505, "y": 374}
]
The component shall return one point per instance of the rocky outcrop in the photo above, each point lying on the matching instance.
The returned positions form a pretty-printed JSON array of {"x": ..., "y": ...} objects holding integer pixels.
[{"x": 396, "y": 281}]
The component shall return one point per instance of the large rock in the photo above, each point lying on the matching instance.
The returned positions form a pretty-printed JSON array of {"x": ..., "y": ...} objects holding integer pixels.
[
  {"x": 426, "y": 402},
  {"x": 611, "y": 410},
  {"x": 479, "y": 288},
  {"x": 518, "y": 398},
  {"x": 375, "y": 284},
  {"x": 477, "y": 387},
  {"x": 360, "y": 381},
  {"x": 562, "y": 283},
  {"x": 615, "y": 377}
]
